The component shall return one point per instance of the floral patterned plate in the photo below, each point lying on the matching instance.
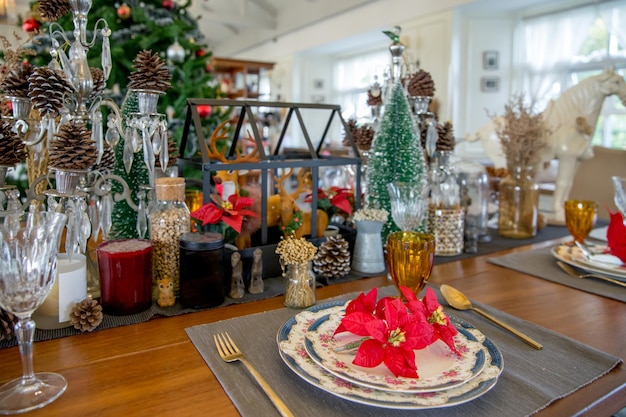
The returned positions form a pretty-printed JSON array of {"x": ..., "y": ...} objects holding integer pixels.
[
  {"x": 292, "y": 335},
  {"x": 437, "y": 366}
]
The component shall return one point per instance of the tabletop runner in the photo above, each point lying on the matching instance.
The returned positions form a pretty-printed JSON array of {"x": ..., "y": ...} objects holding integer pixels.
[{"x": 531, "y": 380}]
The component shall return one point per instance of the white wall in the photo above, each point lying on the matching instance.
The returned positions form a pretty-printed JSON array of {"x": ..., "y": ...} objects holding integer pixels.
[{"x": 484, "y": 34}]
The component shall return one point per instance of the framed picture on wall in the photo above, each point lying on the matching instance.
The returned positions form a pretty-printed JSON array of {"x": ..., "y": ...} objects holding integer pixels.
[
  {"x": 490, "y": 84},
  {"x": 491, "y": 60}
]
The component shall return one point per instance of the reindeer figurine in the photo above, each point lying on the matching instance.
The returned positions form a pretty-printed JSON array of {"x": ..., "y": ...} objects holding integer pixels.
[
  {"x": 280, "y": 207},
  {"x": 289, "y": 208},
  {"x": 230, "y": 179}
]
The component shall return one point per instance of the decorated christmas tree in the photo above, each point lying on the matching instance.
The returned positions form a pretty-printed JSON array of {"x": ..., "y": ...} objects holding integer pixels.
[
  {"x": 161, "y": 26},
  {"x": 396, "y": 153}
]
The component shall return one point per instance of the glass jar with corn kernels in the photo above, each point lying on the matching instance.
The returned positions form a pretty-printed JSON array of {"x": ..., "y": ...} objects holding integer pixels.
[{"x": 168, "y": 221}]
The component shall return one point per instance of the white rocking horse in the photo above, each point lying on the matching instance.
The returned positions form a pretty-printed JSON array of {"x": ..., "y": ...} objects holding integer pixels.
[{"x": 572, "y": 119}]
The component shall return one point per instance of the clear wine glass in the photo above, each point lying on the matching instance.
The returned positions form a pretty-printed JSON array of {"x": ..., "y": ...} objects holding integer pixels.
[
  {"x": 29, "y": 245},
  {"x": 408, "y": 204}
]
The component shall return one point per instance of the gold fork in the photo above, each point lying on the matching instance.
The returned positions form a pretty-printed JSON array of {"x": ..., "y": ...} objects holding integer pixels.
[
  {"x": 229, "y": 352},
  {"x": 572, "y": 272}
]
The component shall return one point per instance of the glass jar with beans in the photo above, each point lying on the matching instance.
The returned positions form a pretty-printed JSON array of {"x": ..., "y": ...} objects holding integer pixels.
[{"x": 168, "y": 221}]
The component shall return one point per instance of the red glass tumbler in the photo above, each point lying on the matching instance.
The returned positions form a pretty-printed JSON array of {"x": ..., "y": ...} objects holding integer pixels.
[{"x": 125, "y": 268}]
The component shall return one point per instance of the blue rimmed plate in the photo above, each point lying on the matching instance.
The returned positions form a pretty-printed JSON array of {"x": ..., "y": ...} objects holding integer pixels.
[{"x": 291, "y": 338}]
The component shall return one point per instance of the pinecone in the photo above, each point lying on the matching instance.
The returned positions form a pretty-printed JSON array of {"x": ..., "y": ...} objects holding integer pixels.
[
  {"x": 374, "y": 100},
  {"x": 15, "y": 83},
  {"x": 99, "y": 83},
  {"x": 7, "y": 323},
  {"x": 362, "y": 135},
  {"x": 420, "y": 84},
  {"x": 333, "y": 258},
  {"x": 72, "y": 147},
  {"x": 53, "y": 9},
  {"x": 150, "y": 73},
  {"x": 86, "y": 315},
  {"x": 107, "y": 162},
  {"x": 47, "y": 89},
  {"x": 445, "y": 137},
  {"x": 11, "y": 147}
]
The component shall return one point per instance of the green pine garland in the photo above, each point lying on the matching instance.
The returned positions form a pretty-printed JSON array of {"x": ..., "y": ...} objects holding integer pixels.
[{"x": 396, "y": 154}]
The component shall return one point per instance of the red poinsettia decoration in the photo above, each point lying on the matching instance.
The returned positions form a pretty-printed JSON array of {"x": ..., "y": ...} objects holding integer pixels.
[
  {"x": 393, "y": 329},
  {"x": 231, "y": 211},
  {"x": 336, "y": 197},
  {"x": 433, "y": 311},
  {"x": 616, "y": 236}
]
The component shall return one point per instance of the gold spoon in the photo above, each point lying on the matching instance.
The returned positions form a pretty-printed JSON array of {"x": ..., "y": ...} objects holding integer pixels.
[{"x": 460, "y": 301}]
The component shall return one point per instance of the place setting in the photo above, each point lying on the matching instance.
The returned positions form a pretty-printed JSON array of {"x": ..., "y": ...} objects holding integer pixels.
[
  {"x": 585, "y": 260},
  {"x": 586, "y": 265}
]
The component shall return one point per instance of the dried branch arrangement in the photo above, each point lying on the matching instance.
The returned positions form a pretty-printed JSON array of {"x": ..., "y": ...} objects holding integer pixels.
[{"x": 522, "y": 133}]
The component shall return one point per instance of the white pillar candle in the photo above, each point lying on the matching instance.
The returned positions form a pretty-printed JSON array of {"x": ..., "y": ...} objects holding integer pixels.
[{"x": 70, "y": 287}]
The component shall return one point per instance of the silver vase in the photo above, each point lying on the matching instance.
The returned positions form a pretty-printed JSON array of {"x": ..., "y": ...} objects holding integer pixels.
[{"x": 368, "y": 254}]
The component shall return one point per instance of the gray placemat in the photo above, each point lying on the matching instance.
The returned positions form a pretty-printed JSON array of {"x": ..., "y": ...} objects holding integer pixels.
[
  {"x": 541, "y": 263},
  {"x": 531, "y": 380}
]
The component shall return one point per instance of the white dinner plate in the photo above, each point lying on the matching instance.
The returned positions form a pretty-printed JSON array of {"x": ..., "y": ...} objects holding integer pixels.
[
  {"x": 573, "y": 256},
  {"x": 292, "y": 335},
  {"x": 438, "y": 367}
]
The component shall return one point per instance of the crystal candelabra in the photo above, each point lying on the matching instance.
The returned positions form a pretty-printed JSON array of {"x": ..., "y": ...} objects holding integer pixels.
[{"x": 84, "y": 192}]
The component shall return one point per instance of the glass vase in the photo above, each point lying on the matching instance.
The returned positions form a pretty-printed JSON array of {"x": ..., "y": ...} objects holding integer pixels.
[
  {"x": 518, "y": 204},
  {"x": 299, "y": 285}
]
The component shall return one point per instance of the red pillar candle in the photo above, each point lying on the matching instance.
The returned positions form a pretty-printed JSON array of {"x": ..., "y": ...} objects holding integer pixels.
[{"x": 125, "y": 268}]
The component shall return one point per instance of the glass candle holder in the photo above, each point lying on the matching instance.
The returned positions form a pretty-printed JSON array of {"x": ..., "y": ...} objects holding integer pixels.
[{"x": 125, "y": 267}]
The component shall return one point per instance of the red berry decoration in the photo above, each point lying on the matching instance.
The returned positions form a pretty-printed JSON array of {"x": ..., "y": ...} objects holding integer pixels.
[
  {"x": 124, "y": 11},
  {"x": 168, "y": 4},
  {"x": 30, "y": 25},
  {"x": 204, "y": 111}
]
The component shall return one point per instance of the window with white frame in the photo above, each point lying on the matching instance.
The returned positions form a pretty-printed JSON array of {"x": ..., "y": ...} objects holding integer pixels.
[
  {"x": 352, "y": 77},
  {"x": 583, "y": 42}
]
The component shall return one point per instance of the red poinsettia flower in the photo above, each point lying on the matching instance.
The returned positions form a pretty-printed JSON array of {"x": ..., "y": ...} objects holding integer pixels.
[
  {"x": 393, "y": 329},
  {"x": 336, "y": 197},
  {"x": 363, "y": 303},
  {"x": 393, "y": 339},
  {"x": 231, "y": 211},
  {"x": 616, "y": 236},
  {"x": 429, "y": 306}
]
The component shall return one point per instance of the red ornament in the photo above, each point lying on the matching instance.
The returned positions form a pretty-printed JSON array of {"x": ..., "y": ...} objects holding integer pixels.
[
  {"x": 168, "y": 4},
  {"x": 200, "y": 53},
  {"x": 31, "y": 25},
  {"x": 204, "y": 111},
  {"x": 209, "y": 67},
  {"x": 124, "y": 11}
]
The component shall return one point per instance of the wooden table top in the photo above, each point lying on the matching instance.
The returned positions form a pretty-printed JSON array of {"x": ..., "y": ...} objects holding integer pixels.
[{"x": 153, "y": 369}]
